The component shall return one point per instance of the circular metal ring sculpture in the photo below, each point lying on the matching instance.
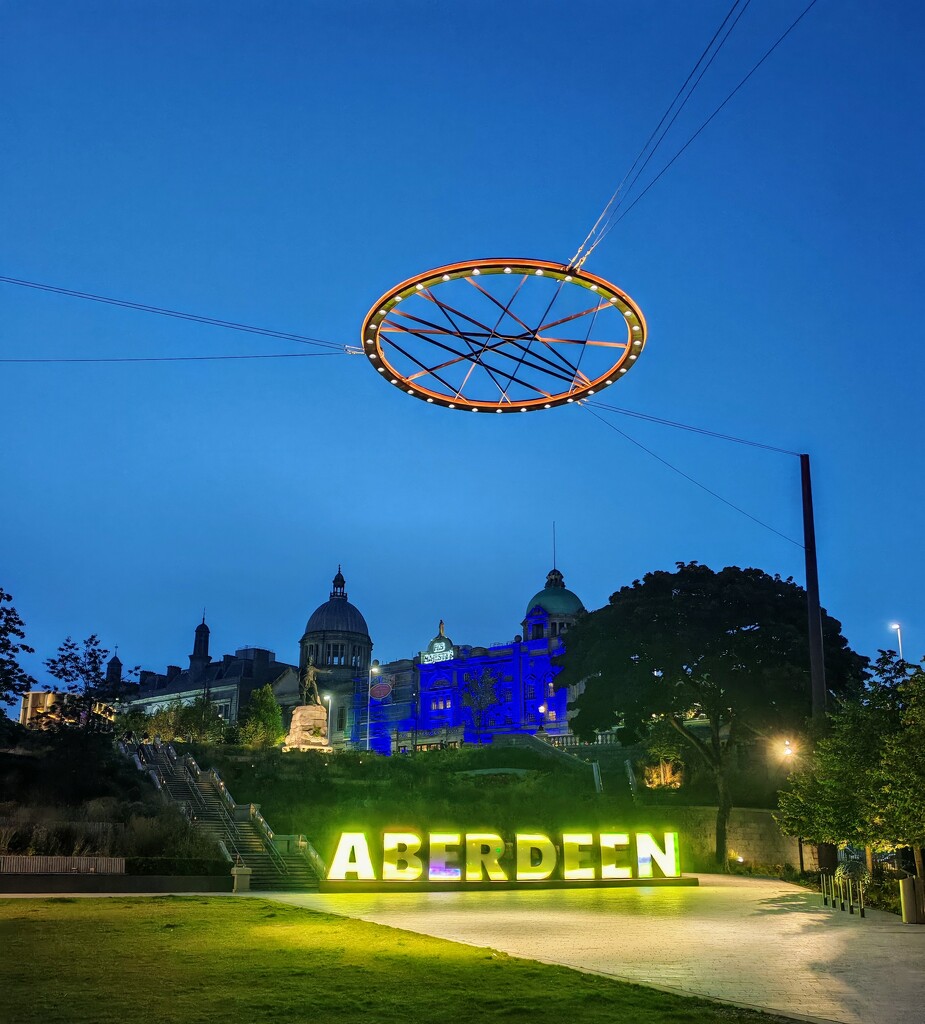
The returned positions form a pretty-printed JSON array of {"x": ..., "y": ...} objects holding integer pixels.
[{"x": 463, "y": 336}]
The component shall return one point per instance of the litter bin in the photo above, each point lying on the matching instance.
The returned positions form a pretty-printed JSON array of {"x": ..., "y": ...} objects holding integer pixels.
[{"x": 910, "y": 898}]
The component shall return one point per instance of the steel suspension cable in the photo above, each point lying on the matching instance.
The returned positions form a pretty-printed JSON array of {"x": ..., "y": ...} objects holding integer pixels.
[
  {"x": 687, "y": 476},
  {"x": 302, "y": 339},
  {"x": 607, "y": 212},
  {"x": 687, "y": 426},
  {"x": 605, "y": 230},
  {"x": 767, "y": 54},
  {"x": 166, "y": 359}
]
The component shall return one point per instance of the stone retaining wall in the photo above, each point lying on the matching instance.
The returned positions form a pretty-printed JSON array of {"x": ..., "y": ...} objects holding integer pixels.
[{"x": 753, "y": 835}]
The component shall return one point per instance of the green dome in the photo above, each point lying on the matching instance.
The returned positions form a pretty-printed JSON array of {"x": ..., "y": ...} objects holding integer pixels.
[{"x": 555, "y": 599}]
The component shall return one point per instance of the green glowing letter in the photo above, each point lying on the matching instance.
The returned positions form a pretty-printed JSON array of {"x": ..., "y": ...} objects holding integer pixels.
[
  {"x": 400, "y": 862},
  {"x": 352, "y": 858},
  {"x": 440, "y": 870},
  {"x": 610, "y": 841},
  {"x": 484, "y": 849},
  {"x": 647, "y": 851},
  {"x": 572, "y": 850},
  {"x": 527, "y": 871}
]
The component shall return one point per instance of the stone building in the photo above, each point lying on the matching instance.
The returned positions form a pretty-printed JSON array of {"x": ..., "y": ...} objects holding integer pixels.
[
  {"x": 412, "y": 703},
  {"x": 228, "y": 683},
  {"x": 337, "y": 646}
]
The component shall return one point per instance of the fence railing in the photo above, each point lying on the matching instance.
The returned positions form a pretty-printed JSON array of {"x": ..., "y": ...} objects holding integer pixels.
[{"x": 27, "y": 865}]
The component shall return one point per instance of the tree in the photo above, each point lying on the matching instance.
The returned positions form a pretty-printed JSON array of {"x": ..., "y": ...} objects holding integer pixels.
[
  {"x": 722, "y": 657},
  {"x": 902, "y": 769},
  {"x": 478, "y": 694},
  {"x": 86, "y": 686},
  {"x": 14, "y": 680},
  {"x": 200, "y": 721},
  {"x": 262, "y": 721},
  {"x": 862, "y": 785}
]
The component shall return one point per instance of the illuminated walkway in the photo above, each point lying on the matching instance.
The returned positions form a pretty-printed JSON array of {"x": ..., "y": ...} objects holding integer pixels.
[{"x": 754, "y": 942}]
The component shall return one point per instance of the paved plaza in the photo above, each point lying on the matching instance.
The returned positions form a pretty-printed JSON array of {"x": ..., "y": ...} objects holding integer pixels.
[{"x": 755, "y": 942}]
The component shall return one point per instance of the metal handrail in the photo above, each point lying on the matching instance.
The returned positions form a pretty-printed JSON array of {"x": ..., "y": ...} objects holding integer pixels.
[
  {"x": 313, "y": 857},
  {"x": 190, "y": 780},
  {"x": 268, "y": 843}
]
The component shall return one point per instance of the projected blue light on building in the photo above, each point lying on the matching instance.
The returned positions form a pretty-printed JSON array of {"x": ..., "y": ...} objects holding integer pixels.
[{"x": 452, "y": 694}]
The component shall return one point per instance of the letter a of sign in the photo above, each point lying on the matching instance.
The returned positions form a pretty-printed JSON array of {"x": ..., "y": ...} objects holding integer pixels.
[{"x": 352, "y": 858}]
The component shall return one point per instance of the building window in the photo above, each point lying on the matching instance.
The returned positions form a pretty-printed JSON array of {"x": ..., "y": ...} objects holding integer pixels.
[
  {"x": 551, "y": 715},
  {"x": 507, "y": 696},
  {"x": 449, "y": 703},
  {"x": 537, "y": 632},
  {"x": 355, "y": 657},
  {"x": 531, "y": 692},
  {"x": 341, "y": 719},
  {"x": 334, "y": 654}
]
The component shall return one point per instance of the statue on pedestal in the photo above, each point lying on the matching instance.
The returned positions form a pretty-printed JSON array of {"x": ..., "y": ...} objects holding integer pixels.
[{"x": 309, "y": 727}]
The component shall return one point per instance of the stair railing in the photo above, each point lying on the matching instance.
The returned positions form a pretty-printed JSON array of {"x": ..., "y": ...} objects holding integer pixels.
[
  {"x": 312, "y": 856},
  {"x": 268, "y": 843},
  {"x": 227, "y": 807}
]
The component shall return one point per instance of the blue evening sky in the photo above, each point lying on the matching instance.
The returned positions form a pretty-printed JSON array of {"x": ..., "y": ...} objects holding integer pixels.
[{"x": 283, "y": 164}]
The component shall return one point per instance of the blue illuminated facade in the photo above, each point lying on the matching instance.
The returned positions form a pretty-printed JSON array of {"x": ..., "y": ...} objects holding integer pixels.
[{"x": 422, "y": 703}]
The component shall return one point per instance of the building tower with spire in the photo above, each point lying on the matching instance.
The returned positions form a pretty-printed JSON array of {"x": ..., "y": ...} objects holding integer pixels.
[{"x": 200, "y": 658}]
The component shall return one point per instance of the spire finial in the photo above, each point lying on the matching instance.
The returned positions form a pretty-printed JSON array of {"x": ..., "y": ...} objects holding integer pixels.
[
  {"x": 203, "y": 614},
  {"x": 441, "y": 628},
  {"x": 553, "y": 543}
]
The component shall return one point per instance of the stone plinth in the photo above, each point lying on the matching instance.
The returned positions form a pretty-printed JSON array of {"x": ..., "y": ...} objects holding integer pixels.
[{"x": 309, "y": 729}]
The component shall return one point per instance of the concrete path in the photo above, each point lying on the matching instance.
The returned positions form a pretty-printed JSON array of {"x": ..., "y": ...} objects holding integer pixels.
[{"x": 754, "y": 942}]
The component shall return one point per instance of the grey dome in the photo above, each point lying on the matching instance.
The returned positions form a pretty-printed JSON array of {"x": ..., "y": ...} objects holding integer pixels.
[{"x": 337, "y": 614}]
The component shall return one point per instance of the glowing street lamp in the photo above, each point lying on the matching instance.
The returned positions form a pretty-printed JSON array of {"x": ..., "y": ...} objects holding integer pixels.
[
  {"x": 899, "y": 638},
  {"x": 788, "y": 749},
  {"x": 373, "y": 670},
  {"x": 326, "y": 697}
]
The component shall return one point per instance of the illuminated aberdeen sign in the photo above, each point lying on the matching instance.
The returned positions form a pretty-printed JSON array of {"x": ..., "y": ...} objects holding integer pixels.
[{"x": 469, "y": 860}]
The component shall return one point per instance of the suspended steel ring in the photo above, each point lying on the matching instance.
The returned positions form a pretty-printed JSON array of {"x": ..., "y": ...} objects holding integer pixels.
[{"x": 462, "y": 336}]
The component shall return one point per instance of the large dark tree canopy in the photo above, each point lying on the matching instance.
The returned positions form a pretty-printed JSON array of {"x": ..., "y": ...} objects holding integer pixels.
[{"x": 730, "y": 646}]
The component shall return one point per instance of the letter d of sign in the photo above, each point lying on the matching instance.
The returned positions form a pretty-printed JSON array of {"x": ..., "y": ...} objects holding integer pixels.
[
  {"x": 536, "y": 857},
  {"x": 352, "y": 858}
]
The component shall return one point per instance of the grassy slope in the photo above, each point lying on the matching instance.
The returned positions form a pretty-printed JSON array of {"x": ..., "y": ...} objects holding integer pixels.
[
  {"x": 196, "y": 960},
  {"x": 322, "y": 796}
]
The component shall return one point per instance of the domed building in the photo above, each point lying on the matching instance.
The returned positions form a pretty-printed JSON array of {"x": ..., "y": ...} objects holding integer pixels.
[
  {"x": 336, "y": 636},
  {"x": 551, "y": 611}
]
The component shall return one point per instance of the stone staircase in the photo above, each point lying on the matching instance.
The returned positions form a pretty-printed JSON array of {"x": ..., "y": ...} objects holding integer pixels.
[{"x": 239, "y": 827}]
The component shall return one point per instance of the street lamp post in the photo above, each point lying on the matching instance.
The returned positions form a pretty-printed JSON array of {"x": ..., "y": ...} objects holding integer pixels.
[
  {"x": 816, "y": 655},
  {"x": 899, "y": 638},
  {"x": 327, "y": 698},
  {"x": 373, "y": 669}
]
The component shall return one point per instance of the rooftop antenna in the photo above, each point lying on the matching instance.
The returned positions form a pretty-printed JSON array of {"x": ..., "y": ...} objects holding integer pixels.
[{"x": 553, "y": 543}]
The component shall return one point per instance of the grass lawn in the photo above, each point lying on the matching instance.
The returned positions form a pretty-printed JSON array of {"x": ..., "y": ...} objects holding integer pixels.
[{"x": 198, "y": 960}]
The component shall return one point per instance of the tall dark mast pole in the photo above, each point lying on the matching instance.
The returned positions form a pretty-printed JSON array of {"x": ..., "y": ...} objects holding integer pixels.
[{"x": 814, "y": 611}]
